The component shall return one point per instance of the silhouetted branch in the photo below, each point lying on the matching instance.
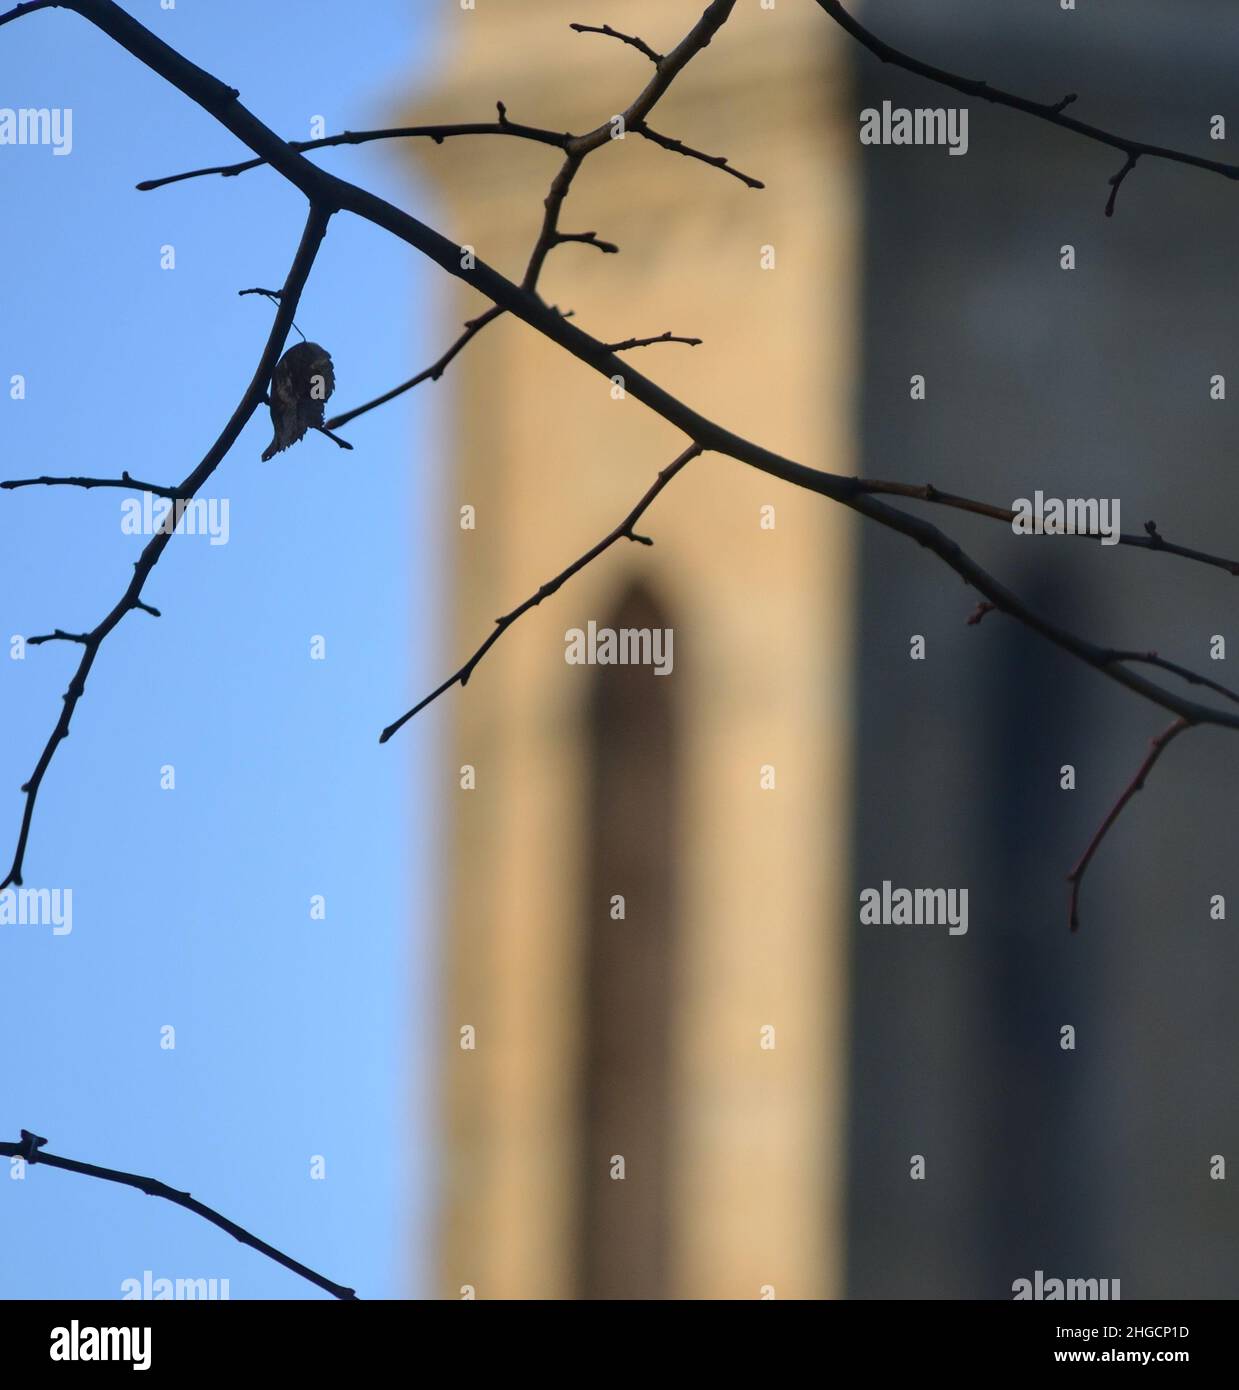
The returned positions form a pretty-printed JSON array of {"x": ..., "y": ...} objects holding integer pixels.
[
  {"x": 1157, "y": 748},
  {"x": 328, "y": 194},
  {"x": 1151, "y": 540},
  {"x": 437, "y": 133},
  {"x": 58, "y": 636},
  {"x": 431, "y": 373},
  {"x": 1116, "y": 182},
  {"x": 668, "y": 337},
  {"x": 639, "y": 44},
  {"x": 1193, "y": 677},
  {"x": 31, "y": 1149},
  {"x": 335, "y": 438},
  {"x": 589, "y": 238},
  {"x": 29, "y": 7},
  {"x": 124, "y": 481},
  {"x": 1046, "y": 111},
  {"x": 290, "y": 295},
  {"x": 624, "y": 531},
  {"x": 576, "y": 149},
  {"x": 717, "y": 161}
]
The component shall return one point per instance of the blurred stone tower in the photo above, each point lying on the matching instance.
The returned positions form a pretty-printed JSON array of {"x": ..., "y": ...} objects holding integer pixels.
[{"x": 701, "y": 1036}]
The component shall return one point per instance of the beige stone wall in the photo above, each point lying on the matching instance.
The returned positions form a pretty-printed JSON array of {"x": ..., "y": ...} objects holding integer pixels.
[{"x": 551, "y": 462}]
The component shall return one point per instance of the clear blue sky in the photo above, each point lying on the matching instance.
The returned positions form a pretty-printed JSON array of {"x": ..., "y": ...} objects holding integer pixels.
[{"x": 191, "y": 907}]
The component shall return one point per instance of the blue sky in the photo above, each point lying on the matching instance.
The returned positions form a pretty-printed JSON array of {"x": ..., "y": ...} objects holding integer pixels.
[{"x": 191, "y": 906}]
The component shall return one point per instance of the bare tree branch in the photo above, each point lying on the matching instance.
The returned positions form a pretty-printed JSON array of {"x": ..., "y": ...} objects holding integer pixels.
[
  {"x": 1157, "y": 748},
  {"x": 335, "y": 438},
  {"x": 311, "y": 240},
  {"x": 437, "y": 133},
  {"x": 624, "y": 531},
  {"x": 1151, "y": 540},
  {"x": 1116, "y": 182},
  {"x": 332, "y": 192},
  {"x": 1046, "y": 111},
  {"x": 124, "y": 481},
  {"x": 717, "y": 161},
  {"x": 59, "y": 636},
  {"x": 31, "y": 1149},
  {"x": 639, "y": 44},
  {"x": 431, "y": 373},
  {"x": 667, "y": 337},
  {"x": 589, "y": 238},
  {"x": 1193, "y": 677}
]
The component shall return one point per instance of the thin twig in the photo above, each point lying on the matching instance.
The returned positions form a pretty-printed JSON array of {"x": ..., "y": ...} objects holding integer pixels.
[
  {"x": 716, "y": 161},
  {"x": 590, "y": 239},
  {"x": 124, "y": 481},
  {"x": 1116, "y": 181},
  {"x": 335, "y": 438},
  {"x": 630, "y": 343},
  {"x": 437, "y": 133},
  {"x": 624, "y": 531},
  {"x": 1193, "y": 677},
  {"x": 58, "y": 636},
  {"x": 639, "y": 44},
  {"x": 431, "y": 373},
  {"x": 1156, "y": 749},
  {"x": 979, "y": 612},
  {"x": 576, "y": 149},
  {"x": 31, "y": 1149}
]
